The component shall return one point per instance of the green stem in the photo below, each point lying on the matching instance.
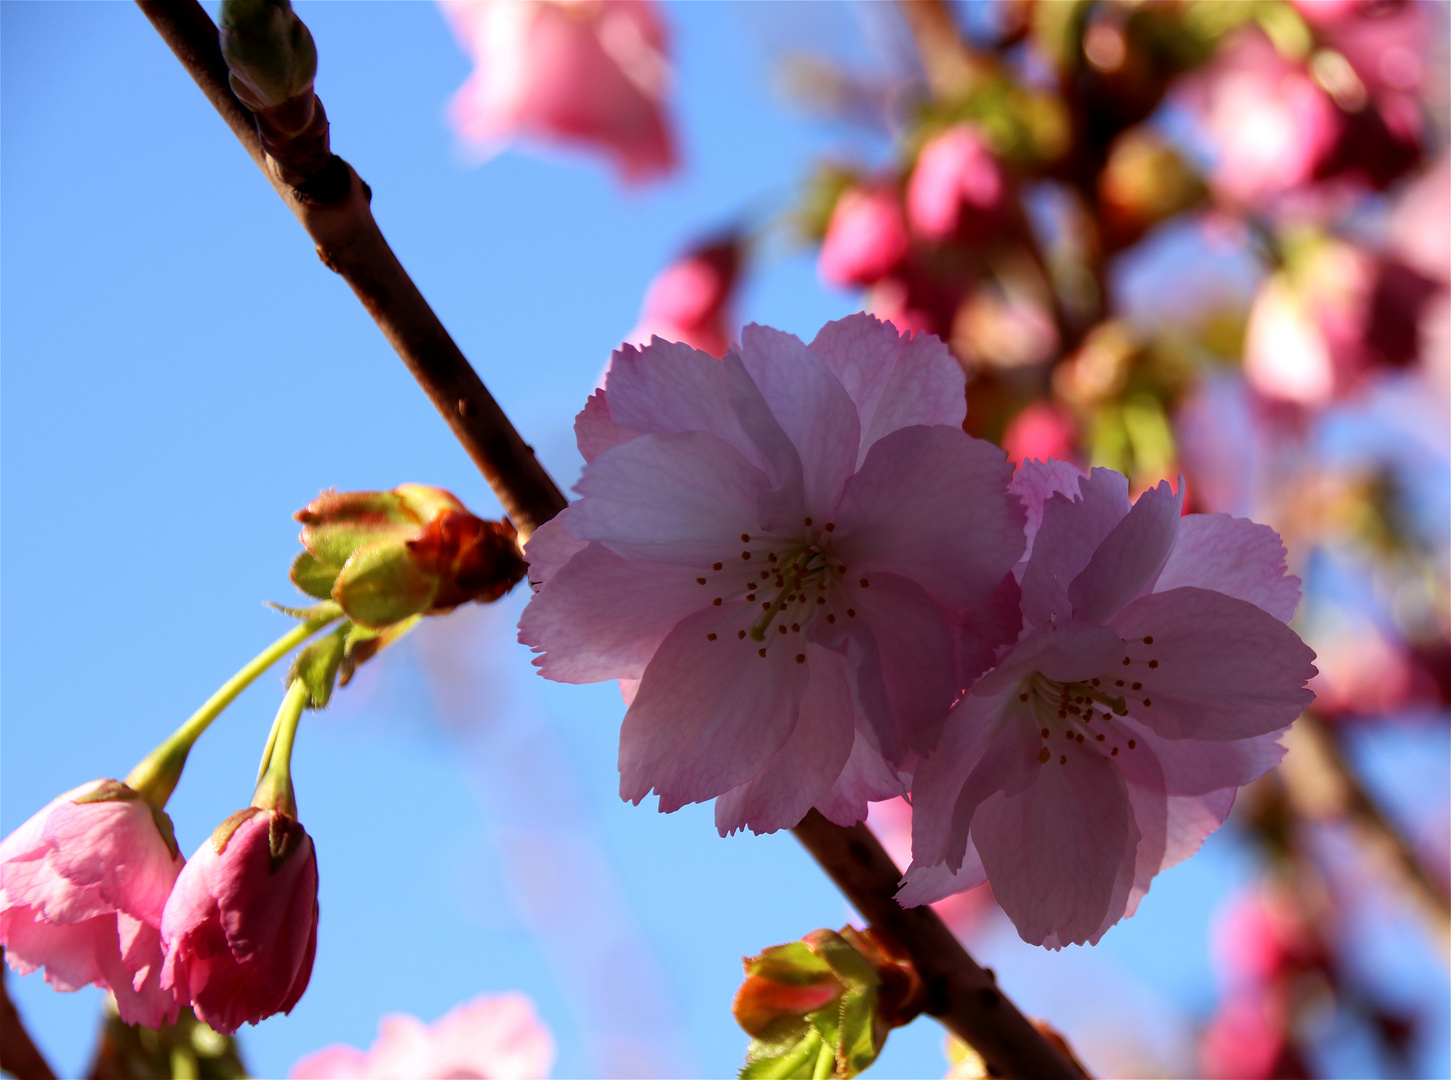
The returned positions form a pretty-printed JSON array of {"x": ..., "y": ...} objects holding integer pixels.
[
  {"x": 156, "y": 775},
  {"x": 274, "y": 787}
]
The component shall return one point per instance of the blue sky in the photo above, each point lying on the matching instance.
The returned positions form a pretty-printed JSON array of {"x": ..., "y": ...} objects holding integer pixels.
[{"x": 180, "y": 374}]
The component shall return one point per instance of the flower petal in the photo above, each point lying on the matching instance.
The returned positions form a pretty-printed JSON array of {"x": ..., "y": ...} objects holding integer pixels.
[
  {"x": 1060, "y": 853},
  {"x": 595, "y": 430},
  {"x": 678, "y": 499},
  {"x": 929, "y": 884},
  {"x": 551, "y": 546},
  {"x": 709, "y": 715},
  {"x": 1038, "y": 481},
  {"x": 1194, "y": 767},
  {"x": 1068, "y": 535},
  {"x": 1235, "y": 557},
  {"x": 931, "y": 504},
  {"x": 895, "y": 380},
  {"x": 1217, "y": 668},
  {"x": 866, "y": 778},
  {"x": 1130, "y": 557},
  {"x": 812, "y": 409},
  {"x": 603, "y": 616},
  {"x": 807, "y": 765}
]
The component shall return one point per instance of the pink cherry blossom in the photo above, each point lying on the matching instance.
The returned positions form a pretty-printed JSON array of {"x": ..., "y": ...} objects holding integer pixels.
[
  {"x": 689, "y": 300},
  {"x": 585, "y": 72},
  {"x": 866, "y": 237},
  {"x": 495, "y": 1036},
  {"x": 82, "y": 888},
  {"x": 964, "y": 912},
  {"x": 240, "y": 928},
  {"x": 956, "y": 188},
  {"x": 798, "y": 553},
  {"x": 1153, "y": 676},
  {"x": 1271, "y": 125}
]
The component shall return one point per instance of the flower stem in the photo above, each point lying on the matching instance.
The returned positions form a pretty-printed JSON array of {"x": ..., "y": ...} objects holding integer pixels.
[
  {"x": 156, "y": 775},
  {"x": 274, "y": 781}
]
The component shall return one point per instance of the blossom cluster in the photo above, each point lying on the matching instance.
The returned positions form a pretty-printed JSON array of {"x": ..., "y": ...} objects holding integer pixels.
[{"x": 819, "y": 592}]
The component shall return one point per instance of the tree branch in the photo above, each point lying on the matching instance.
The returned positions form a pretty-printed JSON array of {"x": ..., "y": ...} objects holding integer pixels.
[
  {"x": 963, "y": 995},
  {"x": 19, "y": 1055},
  {"x": 349, "y": 242}
]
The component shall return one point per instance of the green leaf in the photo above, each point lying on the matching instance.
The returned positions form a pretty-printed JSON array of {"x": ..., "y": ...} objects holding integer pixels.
[
  {"x": 788, "y": 1057},
  {"x": 317, "y": 666},
  {"x": 380, "y": 585},
  {"x": 326, "y": 610},
  {"x": 313, "y": 576}
]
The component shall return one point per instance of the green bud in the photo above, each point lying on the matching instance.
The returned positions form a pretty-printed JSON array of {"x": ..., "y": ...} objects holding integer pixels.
[{"x": 269, "y": 51}]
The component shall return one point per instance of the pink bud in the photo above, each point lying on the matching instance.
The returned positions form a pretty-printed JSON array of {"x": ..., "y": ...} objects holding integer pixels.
[
  {"x": 240, "y": 928},
  {"x": 689, "y": 300},
  {"x": 866, "y": 239},
  {"x": 82, "y": 887},
  {"x": 957, "y": 185}
]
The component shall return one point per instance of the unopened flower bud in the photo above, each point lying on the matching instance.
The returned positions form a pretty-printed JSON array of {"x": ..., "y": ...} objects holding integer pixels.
[
  {"x": 268, "y": 50},
  {"x": 386, "y": 556}
]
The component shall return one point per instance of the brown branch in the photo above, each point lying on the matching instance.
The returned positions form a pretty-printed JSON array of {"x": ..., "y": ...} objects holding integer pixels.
[
  {"x": 1321, "y": 786},
  {"x": 946, "y": 59},
  {"x": 963, "y": 995},
  {"x": 349, "y": 242},
  {"x": 19, "y": 1055}
]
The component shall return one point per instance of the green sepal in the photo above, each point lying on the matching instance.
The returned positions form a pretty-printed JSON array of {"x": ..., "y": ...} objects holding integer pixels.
[
  {"x": 313, "y": 576},
  {"x": 338, "y": 523},
  {"x": 380, "y": 585},
  {"x": 317, "y": 666},
  {"x": 794, "y": 1055},
  {"x": 328, "y": 609},
  {"x": 364, "y": 643}
]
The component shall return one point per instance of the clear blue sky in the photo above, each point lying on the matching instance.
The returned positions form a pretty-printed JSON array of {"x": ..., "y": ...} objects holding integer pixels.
[{"x": 181, "y": 374}]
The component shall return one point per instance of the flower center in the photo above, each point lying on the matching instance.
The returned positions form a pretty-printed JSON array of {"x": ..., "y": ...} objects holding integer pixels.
[
  {"x": 1084, "y": 714},
  {"x": 794, "y": 579}
]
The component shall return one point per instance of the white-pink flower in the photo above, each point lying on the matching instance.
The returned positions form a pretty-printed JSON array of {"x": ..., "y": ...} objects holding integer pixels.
[
  {"x": 1153, "y": 677},
  {"x": 590, "y": 72},
  {"x": 799, "y": 554},
  {"x": 498, "y": 1036},
  {"x": 82, "y": 887}
]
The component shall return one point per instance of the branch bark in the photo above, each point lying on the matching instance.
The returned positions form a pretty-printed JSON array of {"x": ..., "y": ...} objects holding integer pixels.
[
  {"x": 963, "y": 995},
  {"x": 19, "y": 1055},
  {"x": 349, "y": 242}
]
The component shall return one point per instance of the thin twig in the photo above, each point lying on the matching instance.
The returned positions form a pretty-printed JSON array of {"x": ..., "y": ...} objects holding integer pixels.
[
  {"x": 349, "y": 242},
  {"x": 946, "y": 60},
  {"x": 1322, "y": 786},
  {"x": 19, "y": 1055},
  {"x": 964, "y": 996}
]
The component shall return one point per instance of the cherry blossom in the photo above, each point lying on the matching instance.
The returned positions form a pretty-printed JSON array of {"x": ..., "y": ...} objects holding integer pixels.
[
  {"x": 799, "y": 554},
  {"x": 1153, "y": 677},
  {"x": 82, "y": 888},
  {"x": 240, "y": 926},
  {"x": 866, "y": 237},
  {"x": 567, "y": 71},
  {"x": 495, "y": 1035},
  {"x": 689, "y": 300},
  {"x": 957, "y": 188}
]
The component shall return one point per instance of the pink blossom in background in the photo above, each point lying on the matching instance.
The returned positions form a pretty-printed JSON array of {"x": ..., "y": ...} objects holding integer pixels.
[
  {"x": 240, "y": 927},
  {"x": 690, "y": 299},
  {"x": 1271, "y": 125},
  {"x": 1153, "y": 677},
  {"x": 492, "y": 1037},
  {"x": 957, "y": 188},
  {"x": 576, "y": 72},
  {"x": 82, "y": 888},
  {"x": 866, "y": 238},
  {"x": 1043, "y": 430},
  {"x": 797, "y": 552}
]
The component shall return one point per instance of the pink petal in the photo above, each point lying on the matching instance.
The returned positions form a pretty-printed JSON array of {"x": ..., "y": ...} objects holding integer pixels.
[
  {"x": 670, "y": 388},
  {"x": 1194, "y": 767},
  {"x": 680, "y": 499},
  {"x": 931, "y": 504},
  {"x": 1038, "y": 481},
  {"x": 811, "y": 407},
  {"x": 929, "y": 884},
  {"x": 866, "y": 778},
  {"x": 1068, "y": 535},
  {"x": 709, "y": 715},
  {"x": 1060, "y": 853},
  {"x": 595, "y": 430},
  {"x": 1235, "y": 557},
  {"x": 895, "y": 380},
  {"x": 1130, "y": 557},
  {"x": 809, "y": 762},
  {"x": 551, "y": 546},
  {"x": 603, "y": 616},
  {"x": 1065, "y": 652},
  {"x": 900, "y": 650},
  {"x": 73, "y": 955},
  {"x": 982, "y": 630},
  {"x": 332, "y": 1063},
  {"x": 1224, "y": 668}
]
